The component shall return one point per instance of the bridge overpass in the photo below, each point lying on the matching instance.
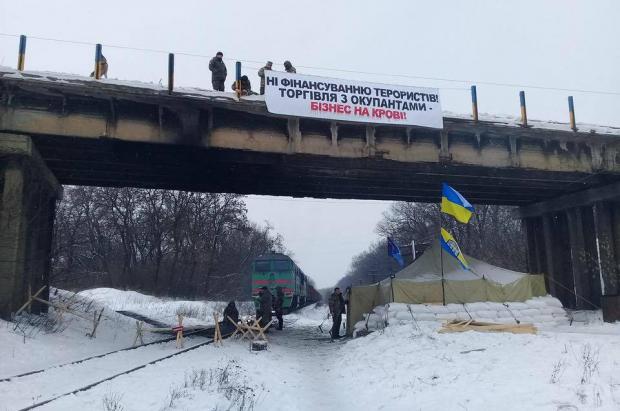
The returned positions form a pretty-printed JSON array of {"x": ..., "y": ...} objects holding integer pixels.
[{"x": 58, "y": 129}]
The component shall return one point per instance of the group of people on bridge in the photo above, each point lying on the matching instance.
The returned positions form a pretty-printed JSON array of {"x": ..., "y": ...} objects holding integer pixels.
[{"x": 219, "y": 74}]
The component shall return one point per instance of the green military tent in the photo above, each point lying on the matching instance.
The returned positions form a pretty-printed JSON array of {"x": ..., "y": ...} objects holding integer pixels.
[{"x": 421, "y": 283}]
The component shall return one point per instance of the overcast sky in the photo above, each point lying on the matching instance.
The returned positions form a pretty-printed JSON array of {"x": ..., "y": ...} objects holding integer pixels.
[{"x": 557, "y": 44}]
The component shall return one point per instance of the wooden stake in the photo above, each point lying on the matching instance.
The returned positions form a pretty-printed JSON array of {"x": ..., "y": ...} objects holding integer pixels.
[
  {"x": 180, "y": 332},
  {"x": 217, "y": 335},
  {"x": 95, "y": 322},
  {"x": 31, "y": 297},
  {"x": 139, "y": 333}
]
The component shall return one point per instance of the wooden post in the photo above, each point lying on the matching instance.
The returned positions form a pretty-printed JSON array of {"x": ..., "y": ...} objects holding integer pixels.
[
  {"x": 21, "y": 56},
  {"x": 571, "y": 112},
  {"x": 523, "y": 109},
  {"x": 217, "y": 335},
  {"x": 179, "y": 328},
  {"x": 139, "y": 333},
  {"x": 30, "y": 298},
  {"x": 474, "y": 104},
  {"x": 95, "y": 323},
  {"x": 170, "y": 72},
  {"x": 238, "y": 78},
  {"x": 98, "y": 61}
]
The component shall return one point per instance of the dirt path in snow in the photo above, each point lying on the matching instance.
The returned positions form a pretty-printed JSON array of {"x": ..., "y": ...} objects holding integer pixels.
[{"x": 306, "y": 366}]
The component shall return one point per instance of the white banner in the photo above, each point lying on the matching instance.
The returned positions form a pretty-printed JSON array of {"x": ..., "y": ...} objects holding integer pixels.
[{"x": 345, "y": 100}]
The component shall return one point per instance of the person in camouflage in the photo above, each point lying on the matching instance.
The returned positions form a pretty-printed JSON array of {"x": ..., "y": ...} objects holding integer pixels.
[
  {"x": 246, "y": 86},
  {"x": 261, "y": 74},
  {"x": 288, "y": 67},
  {"x": 336, "y": 309},
  {"x": 266, "y": 303},
  {"x": 218, "y": 71},
  {"x": 279, "y": 306}
]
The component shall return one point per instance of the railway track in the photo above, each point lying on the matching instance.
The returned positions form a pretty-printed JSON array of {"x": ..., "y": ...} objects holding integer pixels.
[
  {"x": 95, "y": 370},
  {"x": 116, "y": 375}
]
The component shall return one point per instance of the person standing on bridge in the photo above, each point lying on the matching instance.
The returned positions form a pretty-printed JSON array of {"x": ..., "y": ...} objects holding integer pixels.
[
  {"x": 336, "y": 309},
  {"x": 279, "y": 306},
  {"x": 261, "y": 74},
  {"x": 288, "y": 67},
  {"x": 218, "y": 71}
]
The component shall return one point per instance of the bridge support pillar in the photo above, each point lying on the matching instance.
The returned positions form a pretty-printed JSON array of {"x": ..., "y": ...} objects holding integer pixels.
[
  {"x": 608, "y": 258},
  {"x": 28, "y": 194}
]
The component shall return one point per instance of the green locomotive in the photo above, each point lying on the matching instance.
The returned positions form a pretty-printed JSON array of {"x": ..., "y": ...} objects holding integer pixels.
[{"x": 276, "y": 269}]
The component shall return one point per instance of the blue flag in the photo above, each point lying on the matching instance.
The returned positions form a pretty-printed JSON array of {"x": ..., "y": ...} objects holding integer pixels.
[{"x": 394, "y": 251}]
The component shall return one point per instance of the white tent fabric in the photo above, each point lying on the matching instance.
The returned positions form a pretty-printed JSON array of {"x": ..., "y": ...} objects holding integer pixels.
[{"x": 428, "y": 268}]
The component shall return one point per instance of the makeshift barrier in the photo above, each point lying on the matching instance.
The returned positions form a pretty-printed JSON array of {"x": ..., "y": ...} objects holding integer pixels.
[{"x": 541, "y": 311}]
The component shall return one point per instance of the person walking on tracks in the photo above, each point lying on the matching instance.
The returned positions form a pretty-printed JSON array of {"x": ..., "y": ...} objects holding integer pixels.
[
  {"x": 261, "y": 74},
  {"x": 336, "y": 309},
  {"x": 265, "y": 305},
  {"x": 218, "y": 71},
  {"x": 278, "y": 306}
]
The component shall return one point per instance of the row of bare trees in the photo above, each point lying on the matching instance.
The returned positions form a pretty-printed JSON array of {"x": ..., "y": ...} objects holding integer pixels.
[
  {"x": 164, "y": 242},
  {"x": 492, "y": 235}
]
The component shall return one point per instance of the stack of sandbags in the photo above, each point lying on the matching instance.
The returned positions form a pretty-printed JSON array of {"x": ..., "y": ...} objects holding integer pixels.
[{"x": 540, "y": 311}]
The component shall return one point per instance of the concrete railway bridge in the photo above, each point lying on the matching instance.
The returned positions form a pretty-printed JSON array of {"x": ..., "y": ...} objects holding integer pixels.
[{"x": 58, "y": 130}]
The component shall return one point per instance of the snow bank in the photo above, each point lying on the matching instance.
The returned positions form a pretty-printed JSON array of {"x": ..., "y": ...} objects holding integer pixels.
[
  {"x": 161, "y": 308},
  {"x": 543, "y": 312}
]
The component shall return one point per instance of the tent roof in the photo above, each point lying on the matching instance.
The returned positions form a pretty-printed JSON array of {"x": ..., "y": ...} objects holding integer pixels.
[{"x": 428, "y": 268}]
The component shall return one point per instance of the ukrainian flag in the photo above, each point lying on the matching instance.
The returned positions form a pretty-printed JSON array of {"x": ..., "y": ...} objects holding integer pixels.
[
  {"x": 453, "y": 203},
  {"x": 449, "y": 244}
]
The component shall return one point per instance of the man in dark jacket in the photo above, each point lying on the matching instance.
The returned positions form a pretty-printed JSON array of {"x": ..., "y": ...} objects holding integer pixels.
[
  {"x": 261, "y": 74},
  {"x": 336, "y": 309},
  {"x": 265, "y": 303},
  {"x": 232, "y": 312},
  {"x": 288, "y": 67},
  {"x": 279, "y": 306},
  {"x": 218, "y": 71}
]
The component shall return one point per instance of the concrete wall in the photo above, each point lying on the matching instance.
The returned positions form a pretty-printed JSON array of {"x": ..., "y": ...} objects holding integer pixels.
[{"x": 28, "y": 195}]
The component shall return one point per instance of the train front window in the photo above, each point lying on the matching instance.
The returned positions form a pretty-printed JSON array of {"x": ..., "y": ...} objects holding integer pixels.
[
  {"x": 281, "y": 265},
  {"x": 262, "y": 266}
]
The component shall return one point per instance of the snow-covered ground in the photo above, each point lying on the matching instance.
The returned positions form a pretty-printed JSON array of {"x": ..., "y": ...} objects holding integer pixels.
[{"x": 402, "y": 367}]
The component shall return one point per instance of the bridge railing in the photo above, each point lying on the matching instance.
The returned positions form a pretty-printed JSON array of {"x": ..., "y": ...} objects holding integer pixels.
[{"x": 153, "y": 67}]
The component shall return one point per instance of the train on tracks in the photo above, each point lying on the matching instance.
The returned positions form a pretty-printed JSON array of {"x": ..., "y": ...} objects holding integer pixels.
[{"x": 277, "y": 269}]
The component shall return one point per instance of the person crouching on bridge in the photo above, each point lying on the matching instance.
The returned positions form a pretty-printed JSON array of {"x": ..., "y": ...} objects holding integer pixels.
[
  {"x": 336, "y": 309},
  {"x": 265, "y": 300},
  {"x": 218, "y": 71},
  {"x": 246, "y": 86},
  {"x": 278, "y": 306},
  {"x": 288, "y": 67}
]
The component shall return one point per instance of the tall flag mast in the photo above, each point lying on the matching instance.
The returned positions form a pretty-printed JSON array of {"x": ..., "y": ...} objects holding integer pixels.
[{"x": 454, "y": 204}]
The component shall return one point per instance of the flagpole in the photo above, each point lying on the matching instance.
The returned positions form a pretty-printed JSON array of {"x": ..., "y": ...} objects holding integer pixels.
[{"x": 443, "y": 287}]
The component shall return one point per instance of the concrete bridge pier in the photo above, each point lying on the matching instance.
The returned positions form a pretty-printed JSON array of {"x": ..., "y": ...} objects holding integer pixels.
[
  {"x": 28, "y": 195},
  {"x": 575, "y": 242}
]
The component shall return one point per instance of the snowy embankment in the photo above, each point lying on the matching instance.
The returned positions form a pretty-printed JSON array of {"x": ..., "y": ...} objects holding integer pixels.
[
  {"x": 160, "y": 308},
  {"x": 406, "y": 365}
]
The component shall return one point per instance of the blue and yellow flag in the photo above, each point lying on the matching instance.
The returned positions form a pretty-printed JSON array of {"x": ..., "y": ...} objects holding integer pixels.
[
  {"x": 453, "y": 203},
  {"x": 449, "y": 244}
]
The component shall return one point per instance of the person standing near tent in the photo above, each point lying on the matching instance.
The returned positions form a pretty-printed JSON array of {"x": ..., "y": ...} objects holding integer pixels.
[{"x": 336, "y": 309}]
